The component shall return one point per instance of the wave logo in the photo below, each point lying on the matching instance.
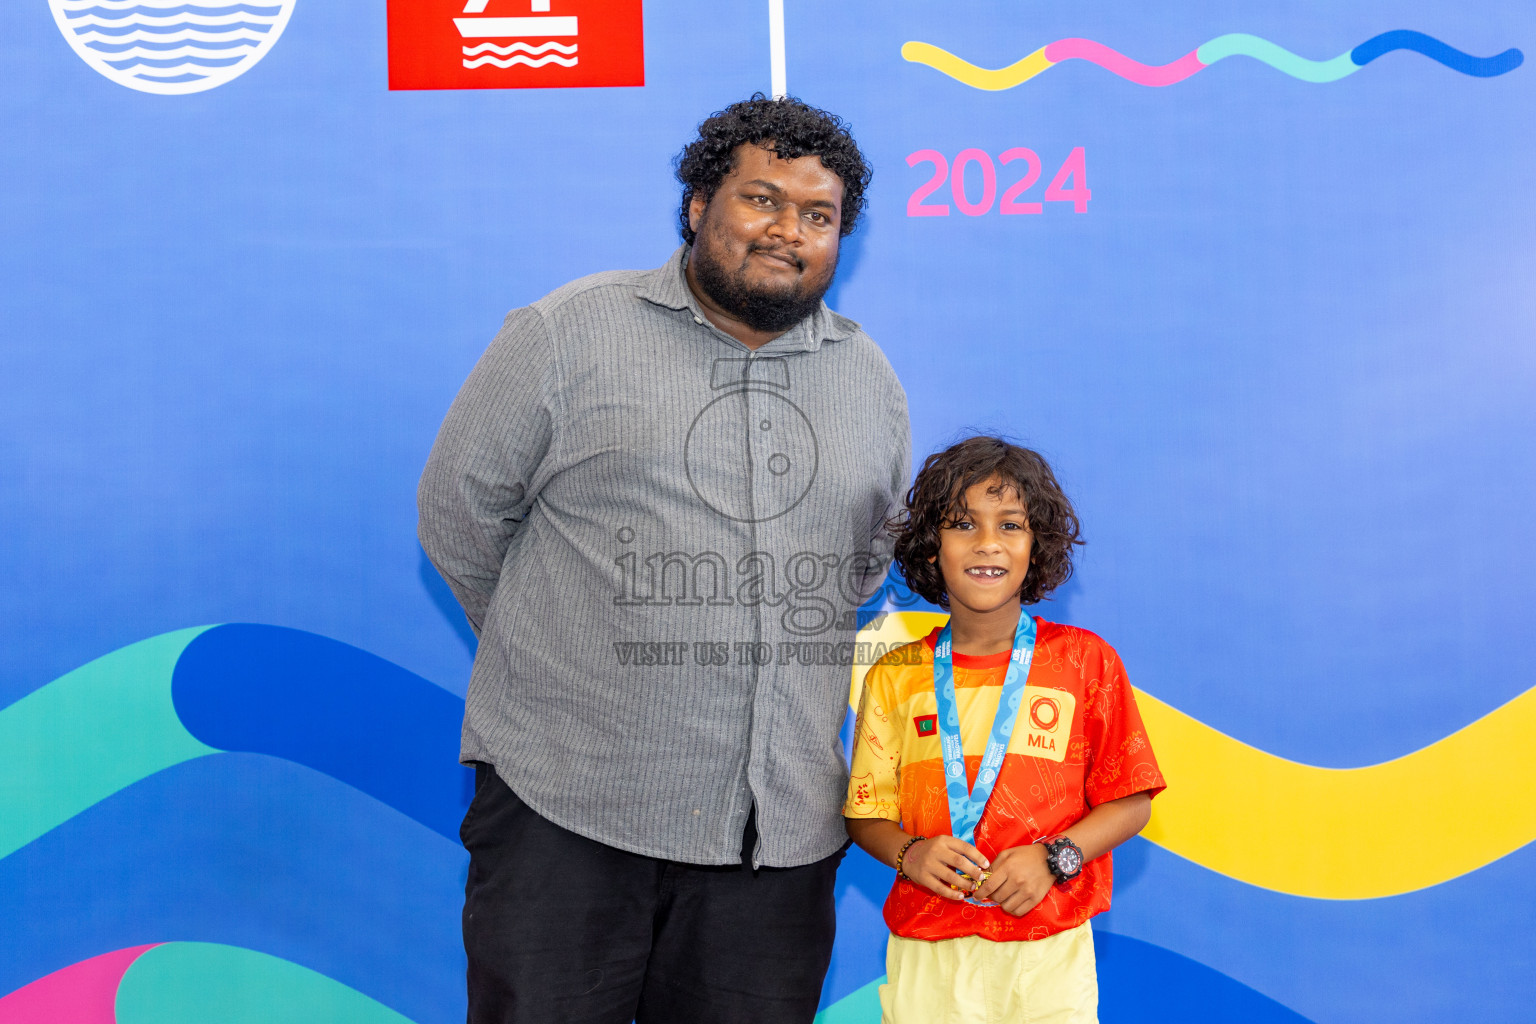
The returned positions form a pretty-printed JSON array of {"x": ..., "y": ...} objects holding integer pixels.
[
  {"x": 1235, "y": 44},
  {"x": 167, "y": 46},
  {"x": 519, "y": 52},
  {"x": 521, "y": 37},
  {"x": 514, "y": 44}
]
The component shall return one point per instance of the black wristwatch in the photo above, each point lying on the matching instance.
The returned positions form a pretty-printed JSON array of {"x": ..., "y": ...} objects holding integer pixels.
[{"x": 1063, "y": 857}]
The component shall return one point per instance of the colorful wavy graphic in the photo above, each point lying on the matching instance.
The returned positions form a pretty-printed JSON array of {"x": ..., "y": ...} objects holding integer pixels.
[
  {"x": 252, "y": 851},
  {"x": 189, "y": 983},
  {"x": 1236, "y": 44},
  {"x": 1484, "y": 775},
  {"x": 206, "y": 690},
  {"x": 82, "y": 993},
  {"x": 161, "y": 836},
  {"x": 159, "y": 780},
  {"x": 361, "y": 720},
  {"x": 246, "y": 785}
]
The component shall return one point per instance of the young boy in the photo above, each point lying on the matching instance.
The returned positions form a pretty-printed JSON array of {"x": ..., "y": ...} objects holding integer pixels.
[{"x": 1032, "y": 721}]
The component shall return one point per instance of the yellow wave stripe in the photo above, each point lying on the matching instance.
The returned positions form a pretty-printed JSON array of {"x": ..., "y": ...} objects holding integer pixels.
[
  {"x": 1328, "y": 833},
  {"x": 1017, "y": 73}
]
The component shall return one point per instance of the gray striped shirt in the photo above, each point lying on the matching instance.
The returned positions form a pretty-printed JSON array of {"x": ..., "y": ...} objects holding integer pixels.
[{"x": 661, "y": 537}]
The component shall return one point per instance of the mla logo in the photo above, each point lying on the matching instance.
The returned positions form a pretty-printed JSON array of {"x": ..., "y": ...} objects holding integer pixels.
[
  {"x": 1045, "y": 713},
  {"x": 1047, "y": 728},
  {"x": 515, "y": 44},
  {"x": 171, "y": 47}
]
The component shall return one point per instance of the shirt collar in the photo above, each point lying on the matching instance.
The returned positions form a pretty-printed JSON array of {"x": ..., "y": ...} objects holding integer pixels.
[{"x": 667, "y": 286}]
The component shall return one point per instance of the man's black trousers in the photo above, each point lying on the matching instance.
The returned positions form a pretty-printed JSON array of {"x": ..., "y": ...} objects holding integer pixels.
[{"x": 561, "y": 929}]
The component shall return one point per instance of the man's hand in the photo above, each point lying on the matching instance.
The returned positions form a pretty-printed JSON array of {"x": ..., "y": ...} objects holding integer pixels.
[
  {"x": 939, "y": 862},
  {"x": 1019, "y": 880}
]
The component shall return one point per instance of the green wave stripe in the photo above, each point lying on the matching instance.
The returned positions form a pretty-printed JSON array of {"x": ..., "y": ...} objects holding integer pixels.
[
  {"x": 861, "y": 1006},
  {"x": 86, "y": 735},
  {"x": 1241, "y": 44},
  {"x": 205, "y": 982}
]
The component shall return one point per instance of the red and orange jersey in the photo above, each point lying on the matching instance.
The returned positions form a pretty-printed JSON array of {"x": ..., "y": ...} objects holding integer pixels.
[{"x": 1078, "y": 742}]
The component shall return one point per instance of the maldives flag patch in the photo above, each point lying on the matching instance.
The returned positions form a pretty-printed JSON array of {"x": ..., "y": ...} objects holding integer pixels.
[{"x": 927, "y": 725}]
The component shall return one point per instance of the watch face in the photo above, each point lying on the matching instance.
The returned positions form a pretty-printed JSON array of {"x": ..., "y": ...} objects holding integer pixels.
[{"x": 1069, "y": 860}]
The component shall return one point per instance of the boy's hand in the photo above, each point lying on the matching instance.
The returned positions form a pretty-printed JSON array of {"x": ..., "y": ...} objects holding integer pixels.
[
  {"x": 936, "y": 863},
  {"x": 1020, "y": 879}
]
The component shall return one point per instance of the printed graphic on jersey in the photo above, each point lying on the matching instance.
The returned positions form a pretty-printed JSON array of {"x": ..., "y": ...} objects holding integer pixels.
[{"x": 1045, "y": 723}]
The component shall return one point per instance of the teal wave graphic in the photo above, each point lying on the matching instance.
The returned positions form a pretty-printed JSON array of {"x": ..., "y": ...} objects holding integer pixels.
[
  {"x": 230, "y": 688},
  {"x": 198, "y": 982},
  {"x": 120, "y": 708}
]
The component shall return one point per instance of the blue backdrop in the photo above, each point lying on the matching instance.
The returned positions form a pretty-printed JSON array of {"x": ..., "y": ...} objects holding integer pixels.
[{"x": 1272, "y": 322}]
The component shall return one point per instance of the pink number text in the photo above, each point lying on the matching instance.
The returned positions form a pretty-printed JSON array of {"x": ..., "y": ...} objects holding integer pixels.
[{"x": 973, "y": 182}]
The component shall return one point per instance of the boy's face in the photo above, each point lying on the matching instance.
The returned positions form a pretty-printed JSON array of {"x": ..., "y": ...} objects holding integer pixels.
[{"x": 984, "y": 554}]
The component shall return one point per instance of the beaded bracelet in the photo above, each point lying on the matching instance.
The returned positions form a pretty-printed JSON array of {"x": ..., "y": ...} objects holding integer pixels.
[{"x": 902, "y": 855}]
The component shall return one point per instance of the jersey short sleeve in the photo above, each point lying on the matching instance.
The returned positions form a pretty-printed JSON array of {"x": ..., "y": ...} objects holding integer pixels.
[
  {"x": 874, "y": 777},
  {"x": 1123, "y": 762}
]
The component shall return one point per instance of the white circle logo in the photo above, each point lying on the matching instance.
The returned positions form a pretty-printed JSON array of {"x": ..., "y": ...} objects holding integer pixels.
[
  {"x": 751, "y": 455},
  {"x": 169, "y": 47}
]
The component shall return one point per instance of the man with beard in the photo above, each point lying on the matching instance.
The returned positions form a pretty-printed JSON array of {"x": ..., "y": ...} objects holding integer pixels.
[{"x": 660, "y": 498}]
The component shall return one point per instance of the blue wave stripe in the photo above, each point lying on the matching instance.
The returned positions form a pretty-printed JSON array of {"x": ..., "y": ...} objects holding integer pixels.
[
  {"x": 174, "y": 44},
  {"x": 1141, "y": 983},
  {"x": 188, "y": 77},
  {"x": 858, "y": 950},
  {"x": 175, "y": 62},
  {"x": 253, "y": 852},
  {"x": 180, "y": 26},
  {"x": 337, "y": 709},
  {"x": 1434, "y": 49},
  {"x": 165, "y": 12}
]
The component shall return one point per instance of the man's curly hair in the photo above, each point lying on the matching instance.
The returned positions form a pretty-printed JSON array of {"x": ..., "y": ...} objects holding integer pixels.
[
  {"x": 791, "y": 129},
  {"x": 937, "y": 498}
]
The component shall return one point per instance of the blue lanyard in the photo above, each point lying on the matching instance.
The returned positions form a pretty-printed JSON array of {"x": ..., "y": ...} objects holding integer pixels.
[{"x": 965, "y": 806}]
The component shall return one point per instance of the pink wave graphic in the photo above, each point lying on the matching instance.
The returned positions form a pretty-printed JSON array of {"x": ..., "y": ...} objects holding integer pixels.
[
  {"x": 82, "y": 993},
  {"x": 1119, "y": 64}
]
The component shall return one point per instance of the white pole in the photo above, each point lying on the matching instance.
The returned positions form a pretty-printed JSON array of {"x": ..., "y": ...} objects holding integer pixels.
[{"x": 776, "y": 48}]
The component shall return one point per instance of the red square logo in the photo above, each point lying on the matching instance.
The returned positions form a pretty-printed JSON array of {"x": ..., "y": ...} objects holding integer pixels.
[
  {"x": 515, "y": 44},
  {"x": 927, "y": 725}
]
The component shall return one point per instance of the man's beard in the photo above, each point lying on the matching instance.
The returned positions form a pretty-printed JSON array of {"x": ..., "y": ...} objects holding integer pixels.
[{"x": 762, "y": 310}]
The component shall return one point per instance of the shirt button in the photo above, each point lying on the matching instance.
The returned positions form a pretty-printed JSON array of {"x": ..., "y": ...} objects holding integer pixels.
[
  {"x": 695, "y": 810},
  {"x": 698, "y": 321}
]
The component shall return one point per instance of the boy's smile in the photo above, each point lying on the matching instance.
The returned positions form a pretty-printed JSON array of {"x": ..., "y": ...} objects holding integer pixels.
[{"x": 984, "y": 553}]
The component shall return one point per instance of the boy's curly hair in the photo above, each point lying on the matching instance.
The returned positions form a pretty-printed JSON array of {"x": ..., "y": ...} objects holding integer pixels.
[
  {"x": 790, "y": 128},
  {"x": 938, "y": 497}
]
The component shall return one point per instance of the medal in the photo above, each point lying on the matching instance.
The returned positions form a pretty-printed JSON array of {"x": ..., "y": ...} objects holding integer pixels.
[{"x": 966, "y": 805}]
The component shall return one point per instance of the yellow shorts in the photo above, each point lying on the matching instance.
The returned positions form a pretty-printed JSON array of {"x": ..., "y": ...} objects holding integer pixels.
[{"x": 971, "y": 980}]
